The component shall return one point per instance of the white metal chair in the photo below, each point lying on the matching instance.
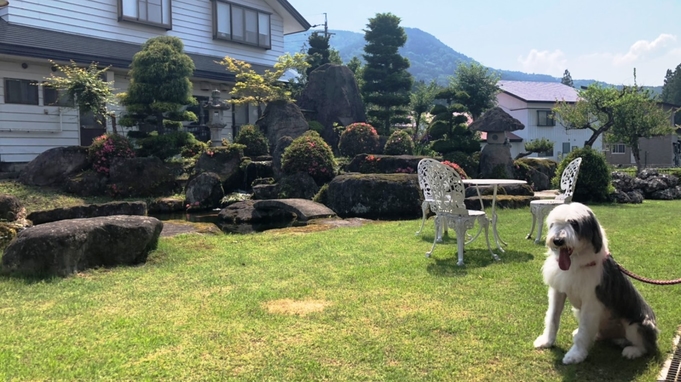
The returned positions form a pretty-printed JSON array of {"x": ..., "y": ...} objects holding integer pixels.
[
  {"x": 541, "y": 208},
  {"x": 444, "y": 195}
]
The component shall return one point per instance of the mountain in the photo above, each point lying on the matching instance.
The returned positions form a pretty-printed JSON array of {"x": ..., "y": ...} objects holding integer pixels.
[{"x": 430, "y": 58}]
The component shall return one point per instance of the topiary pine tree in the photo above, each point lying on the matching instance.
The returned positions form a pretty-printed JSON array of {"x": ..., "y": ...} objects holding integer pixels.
[
  {"x": 567, "y": 79},
  {"x": 449, "y": 129},
  {"x": 386, "y": 83},
  {"x": 159, "y": 85},
  {"x": 319, "y": 51}
]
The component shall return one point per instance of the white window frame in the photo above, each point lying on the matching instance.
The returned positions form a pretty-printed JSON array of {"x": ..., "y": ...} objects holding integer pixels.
[
  {"x": 138, "y": 11},
  {"x": 621, "y": 148},
  {"x": 246, "y": 33},
  {"x": 550, "y": 121}
]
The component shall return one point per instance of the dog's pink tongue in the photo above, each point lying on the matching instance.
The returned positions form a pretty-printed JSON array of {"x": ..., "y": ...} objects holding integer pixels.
[{"x": 564, "y": 259}]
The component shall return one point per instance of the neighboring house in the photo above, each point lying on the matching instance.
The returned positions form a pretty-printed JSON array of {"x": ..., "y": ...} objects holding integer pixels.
[
  {"x": 663, "y": 151},
  {"x": 531, "y": 103},
  {"x": 33, "y": 118}
]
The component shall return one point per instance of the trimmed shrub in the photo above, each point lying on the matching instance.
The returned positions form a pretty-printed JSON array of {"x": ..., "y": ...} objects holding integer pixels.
[
  {"x": 358, "y": 138},
  {"x": 169, "y": 145},
  {"x": 594, "y": 182},
  {"x": 469, "y": 163},
  {"x": 254, "y": 140},
  {"x": 456, "y": 167},
  {"x": 399, "y": 143},
  {"x": 105, "y": 148},
  {"x": 309, "y": 153},
  {"x": 316, "y": 126}
]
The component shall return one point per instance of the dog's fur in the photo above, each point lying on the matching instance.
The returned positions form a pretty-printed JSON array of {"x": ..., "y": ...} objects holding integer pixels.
[{"x": 606, "y": 304}]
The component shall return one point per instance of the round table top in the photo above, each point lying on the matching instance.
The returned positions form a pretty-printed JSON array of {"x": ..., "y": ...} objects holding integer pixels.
[{"x": 490, "y": 182}]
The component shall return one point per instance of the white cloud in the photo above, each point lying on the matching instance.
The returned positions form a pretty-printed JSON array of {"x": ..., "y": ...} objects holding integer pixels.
[
  {"x": 650, "y": 58},
  {"x": 644, "y": 48},
  {"x": 544, "y": 62}
]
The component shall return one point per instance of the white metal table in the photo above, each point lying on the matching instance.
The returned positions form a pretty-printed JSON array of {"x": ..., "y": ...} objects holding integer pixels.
[{"x": 477, "y": 183}]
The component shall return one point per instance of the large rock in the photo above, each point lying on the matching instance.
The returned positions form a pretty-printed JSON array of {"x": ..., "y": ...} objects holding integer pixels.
[
  {"x": 69, "y": 246},
  {"x": 375, "y": 196},
  {"x": 89, "y": 211},
  {"x": 277, "y": 153},
  {"x": 226, "y": 163},
  {"x": 332, "y": 95},
  {"x": 11, "y": 208},
  {"x": 141, "y": 177},
  {"x": 86, "y": 183},
  {"x": 280, "y": 119},
  {"x": 496, "y": 162},
  {"x": 53, "y": 166},
  {"x": 204, "y": 191},
  {"x": 384, "y": 164},
  {"x": 246, "y": 213}
]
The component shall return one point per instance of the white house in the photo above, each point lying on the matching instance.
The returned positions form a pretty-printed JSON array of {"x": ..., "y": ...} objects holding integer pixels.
[
  {"x": 531, "y": 104},
  {"x": 110, "y": 32}
]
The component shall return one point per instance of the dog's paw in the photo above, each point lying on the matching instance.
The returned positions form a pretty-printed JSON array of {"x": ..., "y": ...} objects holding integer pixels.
[
  {"x": 543, "y": 342},
  {"x": 574, "y": 355},
  {"x": 632, "y": 352}
]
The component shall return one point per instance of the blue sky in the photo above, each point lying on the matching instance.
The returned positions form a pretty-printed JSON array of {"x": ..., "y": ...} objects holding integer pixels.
[{"x": 594, "y": 39}]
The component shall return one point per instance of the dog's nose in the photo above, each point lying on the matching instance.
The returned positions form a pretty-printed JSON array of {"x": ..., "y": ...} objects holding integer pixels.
[{"x": 559, "y": 241}]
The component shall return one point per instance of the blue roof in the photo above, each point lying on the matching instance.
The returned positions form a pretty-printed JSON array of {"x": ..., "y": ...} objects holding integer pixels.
[{"x": 539, "y": 91}]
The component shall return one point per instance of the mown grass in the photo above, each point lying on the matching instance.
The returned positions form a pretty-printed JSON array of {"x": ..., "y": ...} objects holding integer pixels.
[{"x": 344, "y": 304}]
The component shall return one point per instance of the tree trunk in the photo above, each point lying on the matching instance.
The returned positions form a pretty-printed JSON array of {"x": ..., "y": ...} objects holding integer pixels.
[
  {"x": 636, "y": 151},
  {"x": 417, "y": 121}
]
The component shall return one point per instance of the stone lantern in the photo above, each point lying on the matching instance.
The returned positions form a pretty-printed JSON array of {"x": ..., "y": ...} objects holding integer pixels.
[
  {"x": 217, "y": 118},
  {"x": 496, "y": 155}
]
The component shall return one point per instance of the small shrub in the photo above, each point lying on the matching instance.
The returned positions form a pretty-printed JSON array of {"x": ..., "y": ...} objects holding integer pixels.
[
  {"x": 309, "y": 153},
  {"x": 254, "y": 140},
  {"x": 399, "y": 143},
  {"x": 358, "y": 138},
  {"x": 456, "y": 167},
  {"x": 594, "y": 179},
  {"x": 171, "y": 144},
  {"x": 316, "y": 126},
  {"x": 104, "y": 149},
  {"x": 322, "y": 196}
]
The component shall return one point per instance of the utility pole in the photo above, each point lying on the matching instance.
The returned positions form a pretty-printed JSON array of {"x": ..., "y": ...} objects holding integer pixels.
[{"x": 326, "y": 26}]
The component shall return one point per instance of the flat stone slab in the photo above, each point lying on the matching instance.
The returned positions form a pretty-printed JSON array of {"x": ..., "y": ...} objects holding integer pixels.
[{"x": 305, "y": 209}]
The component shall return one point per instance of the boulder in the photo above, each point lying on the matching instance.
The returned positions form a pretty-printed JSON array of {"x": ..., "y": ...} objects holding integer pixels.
[
  {"x": 332, "y": 95},
  {"x": 86, "y": 183},
  {"x": 11, "y": 208},
  {"x": 226, "y": 163},
  {"x": 375, "y": 196},
  {"x": 141, "y": 177},
  {"x": 245, "y": 213},
  {"x": 384, "y": 164},
  {"x": 166, "y": 205},
  {"x": 278, "y": 151},
  {"x": 69, "y": 246},
  {"x": 266, "y": 191},
  {"x": 280, "y": 119},
  {"x": 256, "y": 170},
  {"x": 496, "y": 162},
  {"x": 204, "y": 191},
  {"x": 300, "y": 185},
  {"x": 51, "y": 167},
  {"x": 88, "y": 211}
]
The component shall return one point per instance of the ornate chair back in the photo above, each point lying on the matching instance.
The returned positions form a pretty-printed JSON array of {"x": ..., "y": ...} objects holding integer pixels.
[
  {"x": 443, "y": 186},
  {"x": 568, "y": 180}
]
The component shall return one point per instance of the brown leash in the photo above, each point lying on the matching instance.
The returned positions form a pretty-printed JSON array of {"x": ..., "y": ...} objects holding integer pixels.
[{"x": 645, "y": 279}]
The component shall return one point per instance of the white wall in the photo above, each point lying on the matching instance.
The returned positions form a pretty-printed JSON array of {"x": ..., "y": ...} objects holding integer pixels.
[
  {"x": 28, "y": 130},
  {"x": 192, "y": 21}
]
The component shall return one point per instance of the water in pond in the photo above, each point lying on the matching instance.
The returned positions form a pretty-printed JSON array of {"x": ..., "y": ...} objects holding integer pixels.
[{"x": 212, "y": 217}]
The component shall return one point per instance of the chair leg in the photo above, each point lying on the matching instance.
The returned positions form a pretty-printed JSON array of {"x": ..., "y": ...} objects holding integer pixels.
[
  {"x": 437, "y": 221},
  {"x": 534, "y": 220},
  {"x": 541, "y": 225},
  {"x": 460, "y": 238},
  {"x": 424, "y": 208},
  {"x": 484, "y": 224}
]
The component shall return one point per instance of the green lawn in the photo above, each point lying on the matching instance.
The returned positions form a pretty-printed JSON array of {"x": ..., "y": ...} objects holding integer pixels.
[{"x": 343, "y": 304}]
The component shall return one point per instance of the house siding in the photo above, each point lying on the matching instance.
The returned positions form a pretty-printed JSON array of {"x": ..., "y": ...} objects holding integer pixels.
[
  {"x": 192, "y": 21},
  {"x": 655, "y": 152}
]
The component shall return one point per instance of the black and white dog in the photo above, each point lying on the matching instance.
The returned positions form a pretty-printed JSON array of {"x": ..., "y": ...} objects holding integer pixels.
[{"x": 606, "y": 304}]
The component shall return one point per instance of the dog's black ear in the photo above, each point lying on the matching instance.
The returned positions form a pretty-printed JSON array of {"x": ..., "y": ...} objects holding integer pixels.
[{"x": 595, "y": 229}]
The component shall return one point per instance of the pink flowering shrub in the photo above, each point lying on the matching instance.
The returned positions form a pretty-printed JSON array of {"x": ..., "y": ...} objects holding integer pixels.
[
  {"x": 311, "y": 154},
  {"x": 399, "y": 143},
  {"x": 104, "y": 149},
  {"x": 456, "y": 167},
  {"x": 358, "y": 138}
]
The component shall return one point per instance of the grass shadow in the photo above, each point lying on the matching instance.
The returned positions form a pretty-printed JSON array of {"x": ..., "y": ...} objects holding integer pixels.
[
  {"x": 604, "y": 363},
  {"x": 473, "y": 258}
]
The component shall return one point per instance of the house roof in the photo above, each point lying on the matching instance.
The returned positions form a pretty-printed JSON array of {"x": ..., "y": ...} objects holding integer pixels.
[
  {"x": 20, "y": 40},
  {"x": 294, "y": 22},
  {"x": 529, "y": 91}
]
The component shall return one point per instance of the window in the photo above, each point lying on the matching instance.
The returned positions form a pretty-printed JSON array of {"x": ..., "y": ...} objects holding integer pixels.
[
  {"x": 151, "y": 12},
  {"x": 241, "y": 24},
  {"x": 566, "y": 147},
  {"x": 23, "y": 92},
  {"x": 54, "y": 97},
  {"x": 618, "y": 148},
  {"x": 545, "y": 118}
]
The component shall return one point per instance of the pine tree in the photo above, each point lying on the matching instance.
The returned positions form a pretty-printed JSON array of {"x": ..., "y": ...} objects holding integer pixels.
[
  {"x": 671, "y": 90},
  {"x": 567, "y": 79},
  {"x": 386, "y": 81},
  {"x": 319, "y": 51},
  {"x": 159, "y": 85}
]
